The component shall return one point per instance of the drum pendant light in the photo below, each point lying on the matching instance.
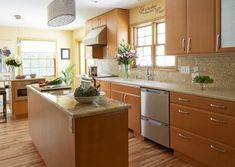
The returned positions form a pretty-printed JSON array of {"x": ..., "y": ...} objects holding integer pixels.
[{"x": 61, "y": 12}]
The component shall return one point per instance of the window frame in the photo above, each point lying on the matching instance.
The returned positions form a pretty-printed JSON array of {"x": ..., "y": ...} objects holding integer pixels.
[
  {"x": 55, "y": 60},
  {"x": 154, "y": 24},
  {"x": 135, "y": 41}
]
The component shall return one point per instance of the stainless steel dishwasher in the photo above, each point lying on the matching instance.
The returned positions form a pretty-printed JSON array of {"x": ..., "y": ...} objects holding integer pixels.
[{"x": 155, "y": 116}]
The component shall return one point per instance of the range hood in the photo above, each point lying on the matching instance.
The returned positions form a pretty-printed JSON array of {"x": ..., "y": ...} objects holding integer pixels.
[{"x": 97, "y": 36}]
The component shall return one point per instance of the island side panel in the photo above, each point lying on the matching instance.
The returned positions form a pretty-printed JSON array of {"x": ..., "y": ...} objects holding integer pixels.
[
  {"x": 102, "y": 140},
  {"x": 50, "y": 132}
]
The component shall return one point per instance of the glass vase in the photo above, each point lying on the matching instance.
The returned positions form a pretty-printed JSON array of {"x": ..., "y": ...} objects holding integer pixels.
[
  {"x": 127, "y": 71},
  {"x": 12, "y": 70}
]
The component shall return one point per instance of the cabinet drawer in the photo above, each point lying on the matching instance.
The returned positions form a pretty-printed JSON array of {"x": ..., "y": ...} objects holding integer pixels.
[
  {"x": 201, "y": 149},
  {"x": 214, "y": 126},
  {"x": 127, "y": 89},
  {"x": 210, "y": 104}
]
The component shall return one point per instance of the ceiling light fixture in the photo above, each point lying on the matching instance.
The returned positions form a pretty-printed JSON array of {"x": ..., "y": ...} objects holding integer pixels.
[
  {"x": 18, "y": 17},
  {"x": 61, "y": 12}
]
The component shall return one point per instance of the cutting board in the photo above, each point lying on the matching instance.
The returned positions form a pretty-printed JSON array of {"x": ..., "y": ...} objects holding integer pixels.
[{"x": 50, "y": 88}]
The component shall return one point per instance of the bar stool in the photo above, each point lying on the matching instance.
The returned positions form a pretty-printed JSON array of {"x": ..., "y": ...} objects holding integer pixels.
[{"x": 3, "y": 93}]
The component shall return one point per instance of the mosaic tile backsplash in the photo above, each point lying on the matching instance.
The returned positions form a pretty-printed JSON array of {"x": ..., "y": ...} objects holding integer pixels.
[{"x": 220, "y": 67}]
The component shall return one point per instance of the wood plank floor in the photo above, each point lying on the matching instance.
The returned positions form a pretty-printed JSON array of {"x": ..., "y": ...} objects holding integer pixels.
[{"x": 18, "y": 150}]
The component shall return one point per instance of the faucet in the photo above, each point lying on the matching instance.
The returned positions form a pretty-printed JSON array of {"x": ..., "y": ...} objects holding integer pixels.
[{"x": 148, "y": 74}]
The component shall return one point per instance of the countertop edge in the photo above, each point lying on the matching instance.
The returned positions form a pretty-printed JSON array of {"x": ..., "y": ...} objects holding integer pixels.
[
  {"x": 66, "y": 111},
  {"x": 204, "y": 93}
]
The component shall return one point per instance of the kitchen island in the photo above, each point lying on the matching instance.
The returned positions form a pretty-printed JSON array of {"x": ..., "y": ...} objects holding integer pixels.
[{"x": 71, "y": 134}]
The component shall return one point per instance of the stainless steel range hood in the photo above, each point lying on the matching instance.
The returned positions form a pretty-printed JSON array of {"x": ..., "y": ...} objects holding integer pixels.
[{"x": 97, "y": 36}]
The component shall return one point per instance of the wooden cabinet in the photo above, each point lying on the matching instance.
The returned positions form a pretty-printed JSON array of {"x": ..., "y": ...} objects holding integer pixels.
[
  {"x": 88, "y": 26},
  {"x": 131, "y": 95},
  {"x": 225, "y": 25},
  {"x": 190, "y": 26},
  {"x": 105, "y": 86},
  {"x": 117, "y": 30},
  {"x": 88, "y": 141},
  {"x": 117, "y": 22},
  {"x": 99, "y": 21},
  {"x": 213, "y": 126},
  {"x": 201, "y": 128},
  {"x": 208, "y": 152},
  {"x": 176, "y": 31},
  {"x": 18, "y": 96},
  {"x": 96, "y": 22},
  {"x": 95, "y": 52}
]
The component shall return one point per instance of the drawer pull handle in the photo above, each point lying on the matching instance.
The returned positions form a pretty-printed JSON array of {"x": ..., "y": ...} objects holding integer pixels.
[
  {"x": 184, "y": 100},
  {"x": 183, "y": 112},
  {"x": 218, "y": 106},
  {"x": 217, "y": 149},
  {"x": 183, "y": 136},
  {"x": 217, "y": 121}
]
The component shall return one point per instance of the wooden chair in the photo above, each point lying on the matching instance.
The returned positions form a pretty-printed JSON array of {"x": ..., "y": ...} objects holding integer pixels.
[{"x": 3, "y": 93}]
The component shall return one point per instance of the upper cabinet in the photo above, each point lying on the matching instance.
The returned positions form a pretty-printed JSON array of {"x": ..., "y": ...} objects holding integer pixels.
[
  {"x": 225, "y": 27},
  {"x": 96, "y": 22},
  {"x": 117, "y": 30},
  {"x": 117, "y": 22},
  {"x": 190, "y": 26}
]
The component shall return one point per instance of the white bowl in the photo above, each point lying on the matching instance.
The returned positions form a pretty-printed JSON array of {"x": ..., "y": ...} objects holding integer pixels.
[
  {"x": 88, "y": 99},
  {"x": 101, "y": 100}
]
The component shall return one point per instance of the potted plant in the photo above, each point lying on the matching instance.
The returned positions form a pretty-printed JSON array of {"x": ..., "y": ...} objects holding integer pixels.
[
  {"x": 126, "y": 55},
  {"x": 202, "y": 79},
  {"x": 68, "y": 75}
]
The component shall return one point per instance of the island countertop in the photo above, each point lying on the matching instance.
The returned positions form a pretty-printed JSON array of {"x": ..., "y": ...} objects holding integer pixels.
[{"x": 63, "y": 100}]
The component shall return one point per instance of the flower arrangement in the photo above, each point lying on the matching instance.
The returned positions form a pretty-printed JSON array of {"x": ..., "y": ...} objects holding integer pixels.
[
  {"x": 12, "y": 61},
  {"x": 126, "y": 55}
]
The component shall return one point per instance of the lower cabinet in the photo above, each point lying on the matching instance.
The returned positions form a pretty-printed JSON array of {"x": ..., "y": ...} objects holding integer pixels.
[
  {"x": 201, "y": 149},
  {"x": 105, "y": 86},
  {"x": 203, "y": 133},
  {"x": 131, "y": 95},
  {"x": 133, "y": 112}
]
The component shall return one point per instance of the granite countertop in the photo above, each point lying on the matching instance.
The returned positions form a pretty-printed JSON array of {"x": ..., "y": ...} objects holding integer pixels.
[
  {"x": 63, "y": 99},
  {"x": 223, "y": 94}
]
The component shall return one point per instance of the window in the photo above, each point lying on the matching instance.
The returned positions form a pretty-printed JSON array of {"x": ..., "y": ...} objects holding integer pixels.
[
  {"x": 151, "y": 46},
  {"x": 144, "y": 45},
  {"x": 82, "y": 58},
  {"x": 162, "y": 60},
  {"x": 38, "y": 57}
]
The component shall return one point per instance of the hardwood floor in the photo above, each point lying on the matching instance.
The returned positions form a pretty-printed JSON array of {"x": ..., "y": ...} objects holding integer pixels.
[{"x": 18, "y": 150}]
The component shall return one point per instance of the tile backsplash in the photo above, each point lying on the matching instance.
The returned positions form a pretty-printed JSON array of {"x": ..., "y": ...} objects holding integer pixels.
[{"x": 220, "y": 67}]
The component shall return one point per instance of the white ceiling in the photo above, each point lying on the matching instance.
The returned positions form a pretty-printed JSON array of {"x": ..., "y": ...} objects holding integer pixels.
[{"x": 34, "y": 12}]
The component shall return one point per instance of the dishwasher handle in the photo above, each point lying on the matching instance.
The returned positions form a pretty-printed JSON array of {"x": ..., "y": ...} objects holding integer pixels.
[
  {"x": 146, "y": 90},
  {"x": 148, "y": 120}
]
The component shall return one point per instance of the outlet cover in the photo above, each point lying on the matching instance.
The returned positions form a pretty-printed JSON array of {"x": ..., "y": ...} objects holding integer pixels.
[{"x": 184, "y": 69}]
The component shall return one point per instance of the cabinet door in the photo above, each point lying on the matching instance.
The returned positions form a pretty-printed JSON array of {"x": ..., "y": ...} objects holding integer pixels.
[
  {"x": 225, "y": 25},
  {"x": 176, "y": 26},
  {"x": 133, "y": 112},
  {"x": 105, "y": 87},
  {"x": 101, "y": 20},
  {"x": 117, "y": 95},
  {"x": 88, "y": 26},
  {"x": 111, "y": 33},
  {"x": 201, "y": 26}
]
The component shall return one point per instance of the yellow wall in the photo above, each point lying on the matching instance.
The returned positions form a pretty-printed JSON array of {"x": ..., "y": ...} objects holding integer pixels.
[
  {"x": 64, "y": 39},
  {"x": 78, "y": 36},
  {"x": 148, "y": 12}
]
